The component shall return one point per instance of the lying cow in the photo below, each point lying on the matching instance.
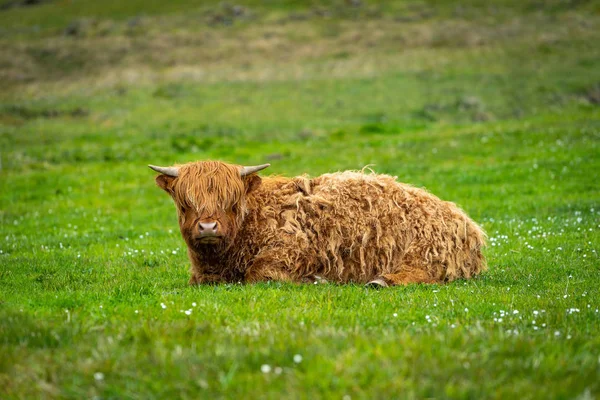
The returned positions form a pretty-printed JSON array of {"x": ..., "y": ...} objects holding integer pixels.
[{"x": 342, "y": 227}]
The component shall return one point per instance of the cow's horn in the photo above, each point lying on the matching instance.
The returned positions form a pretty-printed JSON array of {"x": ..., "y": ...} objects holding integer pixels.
[
  {"x": 249, "y": 170},
  {"x": 171, "y": 171}
]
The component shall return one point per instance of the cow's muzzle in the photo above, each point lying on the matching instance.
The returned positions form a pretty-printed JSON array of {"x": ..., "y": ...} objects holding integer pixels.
[{"x": 208, "y": 232}]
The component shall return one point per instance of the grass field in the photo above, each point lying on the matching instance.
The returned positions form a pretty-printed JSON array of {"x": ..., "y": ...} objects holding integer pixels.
[{"x": 495, "y": 107}]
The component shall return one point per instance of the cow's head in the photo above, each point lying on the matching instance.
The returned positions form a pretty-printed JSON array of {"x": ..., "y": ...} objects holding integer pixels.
[{"x": 210, "y": 197}]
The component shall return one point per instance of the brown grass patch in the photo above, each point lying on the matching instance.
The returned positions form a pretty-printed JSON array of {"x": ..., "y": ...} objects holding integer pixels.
[{"x": 259, "y": 52}]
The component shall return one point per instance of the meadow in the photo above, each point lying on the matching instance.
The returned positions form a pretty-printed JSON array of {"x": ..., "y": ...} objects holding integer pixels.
[{"x": 492, "y": 105}]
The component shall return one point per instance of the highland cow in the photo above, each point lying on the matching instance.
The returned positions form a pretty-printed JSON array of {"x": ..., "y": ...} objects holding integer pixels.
[{"x": 340, "y": 227}]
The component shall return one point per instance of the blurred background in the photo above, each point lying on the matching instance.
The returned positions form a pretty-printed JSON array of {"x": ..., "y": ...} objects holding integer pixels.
[
  {"x": 492, "y": 104},
  {"x": 476, "y": 100}
]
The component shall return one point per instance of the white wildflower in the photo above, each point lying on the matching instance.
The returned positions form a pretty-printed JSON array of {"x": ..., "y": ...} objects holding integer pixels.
[{"x": 265, "y": 368}]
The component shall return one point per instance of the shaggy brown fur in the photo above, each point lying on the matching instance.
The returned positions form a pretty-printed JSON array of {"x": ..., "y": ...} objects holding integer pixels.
[{"x": 344, "y": 227}]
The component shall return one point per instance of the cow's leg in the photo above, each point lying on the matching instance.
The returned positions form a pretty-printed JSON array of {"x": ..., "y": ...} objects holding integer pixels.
[
  {"x": 205, "y": 279},
  {"x": 404, "y": 277},
  {"x": 198, "y": 269},
  {"x": 408, "y": 276},
  {"x": 261, "y": 272}
]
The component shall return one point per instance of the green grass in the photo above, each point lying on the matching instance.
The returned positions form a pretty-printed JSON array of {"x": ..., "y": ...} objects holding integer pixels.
[{"x": 495, "y": 108}]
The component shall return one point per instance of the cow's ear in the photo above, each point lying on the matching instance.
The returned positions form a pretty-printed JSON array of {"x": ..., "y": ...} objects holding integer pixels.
[
  {"x": 252, "y": 181},
  {"x": 165, "y": 182}
]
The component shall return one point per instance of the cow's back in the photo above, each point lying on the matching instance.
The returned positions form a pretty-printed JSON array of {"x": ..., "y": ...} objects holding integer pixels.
[{"x": 352, "y": 226}]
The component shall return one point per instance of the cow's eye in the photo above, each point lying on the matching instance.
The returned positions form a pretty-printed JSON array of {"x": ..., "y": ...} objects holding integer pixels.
[{"x": 182, "y": 209}]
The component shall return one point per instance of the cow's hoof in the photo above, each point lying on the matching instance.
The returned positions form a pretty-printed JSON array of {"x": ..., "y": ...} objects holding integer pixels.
[
  {"x": 377, "y": 284},
  {"x": 319, "y": 279}
]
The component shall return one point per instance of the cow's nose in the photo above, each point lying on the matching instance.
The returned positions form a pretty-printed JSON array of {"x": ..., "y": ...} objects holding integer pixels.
[{"x": 207, "y": 228}]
